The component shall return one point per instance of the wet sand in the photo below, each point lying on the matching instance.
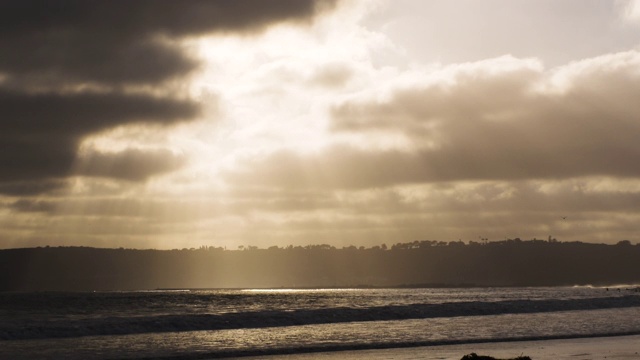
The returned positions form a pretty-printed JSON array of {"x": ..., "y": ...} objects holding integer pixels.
[{"x": 615, "y": 347}]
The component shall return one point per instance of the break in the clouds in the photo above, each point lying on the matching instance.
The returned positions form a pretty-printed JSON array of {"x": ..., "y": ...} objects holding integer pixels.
[
  {"x": 467, "y": 30},
  {"x": 225, "y": 123}
]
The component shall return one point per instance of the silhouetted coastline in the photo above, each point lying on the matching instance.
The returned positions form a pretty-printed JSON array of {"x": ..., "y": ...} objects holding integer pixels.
[{"x": 415, "y": 264}]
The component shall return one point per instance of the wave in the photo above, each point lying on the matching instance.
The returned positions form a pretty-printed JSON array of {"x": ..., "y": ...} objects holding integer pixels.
[
  {"x": 293, "y": 350},
  {"x": 626, "y": 287},
  {"x": 277, "y": 318}
]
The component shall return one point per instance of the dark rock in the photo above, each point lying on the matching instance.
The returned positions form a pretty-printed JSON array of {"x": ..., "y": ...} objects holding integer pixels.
[{"x": 474, "y": 356}]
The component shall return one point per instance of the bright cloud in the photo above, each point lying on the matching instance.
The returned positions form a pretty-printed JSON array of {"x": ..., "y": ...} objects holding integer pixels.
[{"x": 631, "y": 11}]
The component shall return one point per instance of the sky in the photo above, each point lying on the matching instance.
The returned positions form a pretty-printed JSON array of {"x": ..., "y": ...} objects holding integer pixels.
[{"x": 179, "y": 124}]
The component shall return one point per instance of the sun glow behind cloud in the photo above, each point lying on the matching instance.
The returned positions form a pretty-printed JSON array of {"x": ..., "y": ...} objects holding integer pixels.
[
  {"x": 334, "y": 130},
  {"x": 631, "y": 11},
  {"x": 275, "y": 89}
]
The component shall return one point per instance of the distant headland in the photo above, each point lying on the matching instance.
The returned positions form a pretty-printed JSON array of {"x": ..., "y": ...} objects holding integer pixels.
[{"x": 427, "y": 263}]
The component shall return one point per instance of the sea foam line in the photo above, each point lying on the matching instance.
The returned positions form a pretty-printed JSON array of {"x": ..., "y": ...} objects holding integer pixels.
[{"x": 263, "y": 319}]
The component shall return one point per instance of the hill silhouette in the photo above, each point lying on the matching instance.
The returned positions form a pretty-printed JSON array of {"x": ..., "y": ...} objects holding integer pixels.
[{"x": 414, "y": 264}]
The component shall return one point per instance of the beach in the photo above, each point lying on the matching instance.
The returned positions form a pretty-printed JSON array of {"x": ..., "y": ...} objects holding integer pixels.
[{"x": 613, "y": 347}]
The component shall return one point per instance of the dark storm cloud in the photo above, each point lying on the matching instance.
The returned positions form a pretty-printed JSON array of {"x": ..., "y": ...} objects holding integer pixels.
[
  {"x": 131, "y": 164},
  {"x": 52, "y": 114},
  {"x": 25, "y": 205},
  {"x": 39, "y": 133},
  {"x": 25, "y": 188},
  {"x": 48, "y": 48},
  {"x": 118, "y": 42}
]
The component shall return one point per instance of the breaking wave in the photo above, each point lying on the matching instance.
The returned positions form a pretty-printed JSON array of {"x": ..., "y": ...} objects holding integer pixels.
[{"x": 123, "y": 325}]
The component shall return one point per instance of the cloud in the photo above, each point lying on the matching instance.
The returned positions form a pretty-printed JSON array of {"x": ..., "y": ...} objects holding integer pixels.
[
  {"x": 40, "y": 132},
  {"x": 130, "y": 164},
  {"x": 333, "y": 133},
  {"x": 458, "y": 93},
  {"x": 466, "y": 30},
  {"x": 117, "y": 42},
  {"x": 26, "y": 188},
  {"x": 598, "y": 209},
  {"x": 631, "y": 12},
  {"x": 504, "y": 119},
  {"x": 332, "y": 75},
  {"x": 26, "y": 205},
  {"x": 81, "y": 113},
  {"x": 481, "y": 121},
  {"x": 67, "y": 71}
]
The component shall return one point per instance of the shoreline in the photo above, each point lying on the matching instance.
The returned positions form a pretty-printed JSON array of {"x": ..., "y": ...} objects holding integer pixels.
[
  {"x": 602, "y": 346},
  {"x": 615, "y": 346}
]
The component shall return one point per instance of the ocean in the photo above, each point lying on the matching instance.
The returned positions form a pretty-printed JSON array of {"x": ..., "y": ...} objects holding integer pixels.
[{"x": 207, "y": 324}]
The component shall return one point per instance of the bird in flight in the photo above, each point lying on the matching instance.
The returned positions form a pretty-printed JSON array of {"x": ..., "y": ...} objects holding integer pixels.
[{"x": 564, "y": 218}]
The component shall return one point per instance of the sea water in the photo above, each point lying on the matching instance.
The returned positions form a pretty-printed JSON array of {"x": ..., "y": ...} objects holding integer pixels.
[{"x": 203, "y": 324}]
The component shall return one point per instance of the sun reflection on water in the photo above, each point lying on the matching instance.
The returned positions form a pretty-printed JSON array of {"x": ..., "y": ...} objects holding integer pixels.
[{"x": 284, "y": 291}]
